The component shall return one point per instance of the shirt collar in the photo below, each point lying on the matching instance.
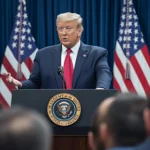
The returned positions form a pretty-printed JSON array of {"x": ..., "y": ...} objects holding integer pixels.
[{"x": 74, "y": 49}]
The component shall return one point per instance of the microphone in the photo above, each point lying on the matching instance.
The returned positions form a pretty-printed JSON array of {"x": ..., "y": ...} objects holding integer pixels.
[{"x": 60, "y": 71}]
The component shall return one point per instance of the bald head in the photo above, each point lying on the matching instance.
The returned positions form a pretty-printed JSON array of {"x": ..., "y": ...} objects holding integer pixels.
[
  {"x": 100, "y": 113},
  {"x": 23, "y": 129},
  {"x": 103, "y": 107}
]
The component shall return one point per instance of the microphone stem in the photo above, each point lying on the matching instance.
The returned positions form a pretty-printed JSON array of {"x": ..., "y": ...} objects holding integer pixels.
[{"x": 64, "y": 82}]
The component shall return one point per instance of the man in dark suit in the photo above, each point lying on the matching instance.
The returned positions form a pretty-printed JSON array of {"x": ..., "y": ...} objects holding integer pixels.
[
  {"x": 118, "y": 123},
  {"x": 85, "y": 66}
]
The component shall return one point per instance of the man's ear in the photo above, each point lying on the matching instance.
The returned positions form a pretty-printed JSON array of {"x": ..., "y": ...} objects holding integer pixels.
[
  {"x": 147, "y": 120},
  {"x": 91, "y": 141},
  {"x": 79, "y": 31},
  {"x": 103, "y": 132}
]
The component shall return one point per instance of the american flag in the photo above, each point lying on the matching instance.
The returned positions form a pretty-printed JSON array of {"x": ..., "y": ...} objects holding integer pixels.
[
  {"x": 19, "y": 54},
  {"x": 131, "y": 58}
]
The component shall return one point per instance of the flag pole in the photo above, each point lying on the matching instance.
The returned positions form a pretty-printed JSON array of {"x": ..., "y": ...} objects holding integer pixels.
[
  {"x": 19, "y": 72},
  {"x": 127, "y": 71}
]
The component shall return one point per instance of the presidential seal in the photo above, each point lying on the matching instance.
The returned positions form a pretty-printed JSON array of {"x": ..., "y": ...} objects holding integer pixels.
[{"x": 64, "y": 109}]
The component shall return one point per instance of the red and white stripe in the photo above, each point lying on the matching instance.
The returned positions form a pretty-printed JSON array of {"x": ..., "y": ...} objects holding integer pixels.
[
  {"x": 10, "y": 64},
  {"x": 139, "y": 71}
]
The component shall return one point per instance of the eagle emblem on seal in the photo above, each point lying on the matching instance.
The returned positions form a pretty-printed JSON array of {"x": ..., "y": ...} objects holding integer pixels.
[{"x": 64, "y": 109}]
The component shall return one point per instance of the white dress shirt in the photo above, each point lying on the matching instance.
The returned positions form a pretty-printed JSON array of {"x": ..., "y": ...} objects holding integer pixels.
[{"x": 73, "y": 54}]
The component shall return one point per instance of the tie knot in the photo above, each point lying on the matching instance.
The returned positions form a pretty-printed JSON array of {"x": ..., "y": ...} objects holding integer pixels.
[{"x": 69, "y": 51}]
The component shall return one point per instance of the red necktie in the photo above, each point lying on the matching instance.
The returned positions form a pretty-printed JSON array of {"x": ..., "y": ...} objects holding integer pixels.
[{"x": 68, "y": 70}]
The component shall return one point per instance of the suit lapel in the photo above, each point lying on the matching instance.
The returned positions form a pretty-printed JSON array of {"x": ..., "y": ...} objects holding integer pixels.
[
  {"x": 57, "y": 63},
  {"x": 81, "y": 58}
]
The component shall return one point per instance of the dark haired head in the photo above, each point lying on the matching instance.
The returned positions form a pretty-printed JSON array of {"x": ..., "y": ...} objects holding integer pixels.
[
  {"x": 125, "y": 119},
  {"x": 24, "y": 129}
]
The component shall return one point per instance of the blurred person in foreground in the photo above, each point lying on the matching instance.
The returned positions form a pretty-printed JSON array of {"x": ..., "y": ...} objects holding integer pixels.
[
  {"x": 146, "y": 144},
  {"x": 24, "y": 129},
  {"x": 118, "y": 123}
]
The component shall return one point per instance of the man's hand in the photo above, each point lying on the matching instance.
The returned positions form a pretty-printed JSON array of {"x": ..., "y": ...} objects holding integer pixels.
[
  {"x": 100, "y": 89},
  {"x": 12, "y": 81}
]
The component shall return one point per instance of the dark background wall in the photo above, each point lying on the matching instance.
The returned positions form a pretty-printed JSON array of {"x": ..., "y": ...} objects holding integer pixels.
[{"x": 100, "y": 21}]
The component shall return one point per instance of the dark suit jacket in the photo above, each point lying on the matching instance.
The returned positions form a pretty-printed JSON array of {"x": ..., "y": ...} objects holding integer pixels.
[
  {"x": 91, "y": 69},
  {"x": 144, "y": 146}
]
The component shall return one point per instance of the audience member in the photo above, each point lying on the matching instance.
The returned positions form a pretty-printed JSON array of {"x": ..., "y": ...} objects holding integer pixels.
[
  {"x": 24, "y": 129},
  {"x": 146, "y": 144},
  {"x": 118, "y": 122}
]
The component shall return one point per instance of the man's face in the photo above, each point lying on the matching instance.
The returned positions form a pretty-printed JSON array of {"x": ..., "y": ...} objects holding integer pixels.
[{"x": 68, "y": 32}]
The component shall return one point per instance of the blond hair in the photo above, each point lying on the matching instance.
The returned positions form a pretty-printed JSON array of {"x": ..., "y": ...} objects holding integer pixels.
[{"x": 68, "y": 16}]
